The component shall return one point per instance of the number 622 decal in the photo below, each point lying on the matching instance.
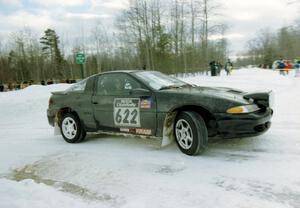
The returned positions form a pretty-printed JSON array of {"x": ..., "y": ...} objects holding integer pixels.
[{"x": 127, "y": 112}]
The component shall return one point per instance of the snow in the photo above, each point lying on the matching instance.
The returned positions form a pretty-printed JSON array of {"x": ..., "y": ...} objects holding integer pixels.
[
  {"x": 38, "y": 169},
  {"x": 27, "y": 193}
]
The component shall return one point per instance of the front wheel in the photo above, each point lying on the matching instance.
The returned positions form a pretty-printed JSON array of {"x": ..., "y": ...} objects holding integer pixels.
[
  {"x": 71, "y": 128},
  {"x": 191, "y": 133}
]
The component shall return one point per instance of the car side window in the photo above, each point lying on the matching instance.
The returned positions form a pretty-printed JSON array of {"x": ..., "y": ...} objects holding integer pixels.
[
  {"x": 80, "y": 86},
  {"x": 116, "y": 84}
]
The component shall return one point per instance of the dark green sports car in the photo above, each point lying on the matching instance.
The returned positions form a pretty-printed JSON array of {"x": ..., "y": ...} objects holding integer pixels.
[{"x": 153, "y": 104}]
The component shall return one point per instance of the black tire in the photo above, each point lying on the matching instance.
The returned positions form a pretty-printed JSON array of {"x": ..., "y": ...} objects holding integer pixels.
[
  {"x": 190, "y": 133},
  {"x": 77, "y": 134}
]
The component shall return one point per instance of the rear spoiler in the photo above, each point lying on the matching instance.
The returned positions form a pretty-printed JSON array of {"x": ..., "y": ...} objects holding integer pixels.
[
  {"x": 265, "y": 99},
  {"x": 59, "y": 93}
]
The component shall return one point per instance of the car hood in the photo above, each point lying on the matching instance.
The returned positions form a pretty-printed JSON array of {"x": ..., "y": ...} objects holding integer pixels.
[{"x": 215, "y": 92}]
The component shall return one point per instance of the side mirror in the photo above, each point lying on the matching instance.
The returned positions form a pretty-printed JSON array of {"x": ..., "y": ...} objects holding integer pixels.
[{"x": 140, "y": 92}]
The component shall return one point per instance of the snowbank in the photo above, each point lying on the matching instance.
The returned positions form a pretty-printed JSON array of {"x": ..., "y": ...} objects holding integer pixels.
[{"x": 129, "y": 172}]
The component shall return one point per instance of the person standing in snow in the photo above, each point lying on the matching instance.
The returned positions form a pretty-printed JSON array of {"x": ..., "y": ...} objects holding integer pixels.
[
  {"x": 297, "y": 68},
  {"x": 228, "y": 67},
  {"x": 144, "y": 67},
  {"x": 213, "y": 68},
  {"x": 281, "y": 67},
  {"x": 219, "y": 65},
  {"x": 1, "y": 87},
  {"x": 288, "y": 67}
]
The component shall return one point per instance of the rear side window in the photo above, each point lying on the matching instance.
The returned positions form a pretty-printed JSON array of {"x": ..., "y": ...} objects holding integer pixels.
[{"x": 80, "y": 86}]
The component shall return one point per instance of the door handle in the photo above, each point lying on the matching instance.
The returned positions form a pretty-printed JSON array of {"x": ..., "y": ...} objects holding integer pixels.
[{"x": 95, "y": 102}]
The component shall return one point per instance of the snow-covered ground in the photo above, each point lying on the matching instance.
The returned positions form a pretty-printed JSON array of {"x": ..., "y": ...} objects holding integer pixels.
[{"x": 40, "y": 170}]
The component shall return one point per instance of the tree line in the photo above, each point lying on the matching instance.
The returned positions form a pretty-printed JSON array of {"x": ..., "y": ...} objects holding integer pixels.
[
  {"x": 170, "y": 36},
  {"x": 269, "y": 46}
]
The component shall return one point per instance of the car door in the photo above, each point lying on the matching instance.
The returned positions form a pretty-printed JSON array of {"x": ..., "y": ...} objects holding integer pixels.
[{"x": 121, "y": 103}]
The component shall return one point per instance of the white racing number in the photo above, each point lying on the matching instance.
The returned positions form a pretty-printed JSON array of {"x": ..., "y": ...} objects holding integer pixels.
[{"x": 127, "y": 112}]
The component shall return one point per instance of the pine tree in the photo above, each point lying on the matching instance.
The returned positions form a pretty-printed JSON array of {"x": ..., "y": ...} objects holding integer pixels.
[{"x": 51, "y": 50}]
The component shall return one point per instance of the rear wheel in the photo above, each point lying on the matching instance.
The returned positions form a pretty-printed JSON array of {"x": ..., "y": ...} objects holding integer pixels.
[
  {"x": 191, "y": 133},
  {"x": 71, "y": 128}
]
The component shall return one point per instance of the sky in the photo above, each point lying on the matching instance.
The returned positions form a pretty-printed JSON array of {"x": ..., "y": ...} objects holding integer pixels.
[{"x": 70, "y": 17}]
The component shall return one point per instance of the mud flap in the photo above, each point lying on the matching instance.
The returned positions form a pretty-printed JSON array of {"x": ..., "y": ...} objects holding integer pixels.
[
  {"x": 56, "y": 129},
  {"x": 168, "y": 136}
]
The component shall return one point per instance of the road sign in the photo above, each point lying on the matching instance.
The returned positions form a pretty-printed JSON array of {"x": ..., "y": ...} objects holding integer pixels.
[{"x": 80, "y": 58}]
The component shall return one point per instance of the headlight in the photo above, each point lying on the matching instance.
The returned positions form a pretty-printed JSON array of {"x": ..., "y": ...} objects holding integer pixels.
[{"x": 243, "y": 109}]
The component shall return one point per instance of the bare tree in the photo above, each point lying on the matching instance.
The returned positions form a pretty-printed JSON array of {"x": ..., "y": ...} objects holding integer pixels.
[
  {"x": 171, "y": 36},
  {"x": 210, "y": 10}
]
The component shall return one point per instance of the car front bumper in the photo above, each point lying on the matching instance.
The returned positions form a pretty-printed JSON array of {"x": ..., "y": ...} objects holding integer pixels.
[{"x": 243, "y": 125}]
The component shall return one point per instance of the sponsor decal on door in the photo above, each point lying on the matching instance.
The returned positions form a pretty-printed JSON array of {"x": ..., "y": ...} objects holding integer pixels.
[
  {"x": 127, "y": 112},
  {"x": 146, "y": 103}
]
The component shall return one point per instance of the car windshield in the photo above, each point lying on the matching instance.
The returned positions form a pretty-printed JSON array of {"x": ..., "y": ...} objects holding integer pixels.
[{"x": 159, "y": 81}]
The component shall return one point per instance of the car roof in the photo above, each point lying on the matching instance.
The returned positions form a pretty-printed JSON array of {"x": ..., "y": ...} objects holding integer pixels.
[
  {"x": 119, "y": 71},
  {"x": 124, "y": 71}
]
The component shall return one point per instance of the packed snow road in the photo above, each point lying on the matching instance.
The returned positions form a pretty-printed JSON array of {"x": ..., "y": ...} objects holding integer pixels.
[{"x": 40, "y": 170}]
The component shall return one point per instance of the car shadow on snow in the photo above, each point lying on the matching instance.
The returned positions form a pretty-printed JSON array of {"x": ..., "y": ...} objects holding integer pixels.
[
  {"x": 232, "y": 149},
  {"x": 128, "y": 140},
  {"x": 238, "y": 149}
]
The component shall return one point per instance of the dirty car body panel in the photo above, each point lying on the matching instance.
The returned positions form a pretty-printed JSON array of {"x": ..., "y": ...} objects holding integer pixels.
[{"x": 145, "y": 103}]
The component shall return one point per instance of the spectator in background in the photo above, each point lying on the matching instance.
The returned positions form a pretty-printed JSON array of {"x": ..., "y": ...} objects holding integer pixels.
[
  {"x": 228, "y": 67},
  {"x": 297, "y": 68},
  {"x": 219, "y": 65},
  {"x": 18, "y": 86},
  {"x": 9, "y": 86},
  {"x": 24, "y": 84},
  {"x": 50, "y": 82},
  {"x": 1, "y": 87},
  {"x": 288, "y": 67},
  {"x": 213, "y": 68},
  {"x": 281, "y": 66}
]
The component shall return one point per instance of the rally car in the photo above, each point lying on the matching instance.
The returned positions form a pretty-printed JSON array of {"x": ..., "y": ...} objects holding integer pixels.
[{"x": 153, "y": 104}]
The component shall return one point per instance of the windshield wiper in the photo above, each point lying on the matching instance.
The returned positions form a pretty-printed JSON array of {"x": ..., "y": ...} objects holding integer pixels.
[
  {"x": 174, "y": 86},
  {"x": 169, "y": 87}
]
